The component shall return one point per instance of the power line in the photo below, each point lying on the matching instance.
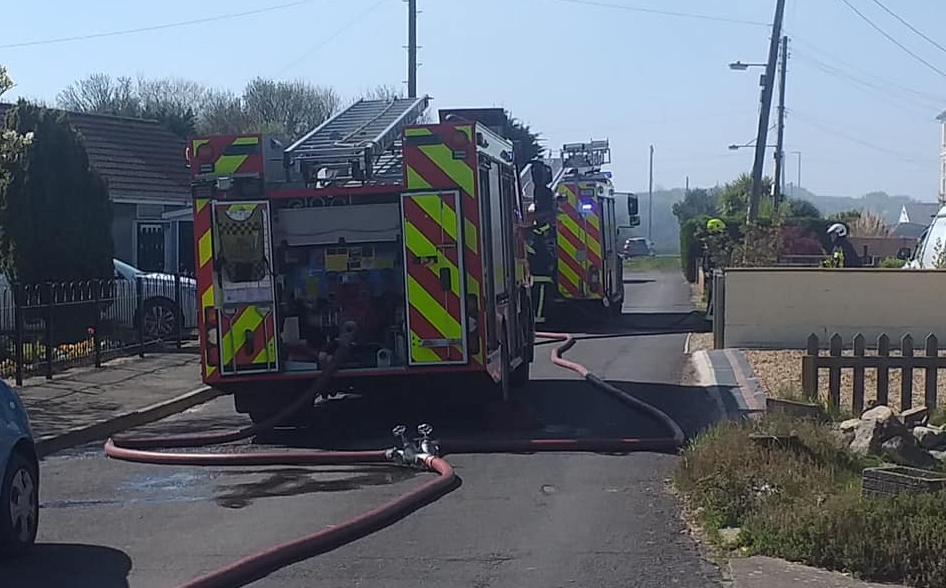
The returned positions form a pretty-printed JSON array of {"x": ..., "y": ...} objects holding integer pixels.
[
  {"x": 812, "y": 122},
  {"x": 892, "y": 40},
  {"x": 909, "y": 26},
  {"x": 323, "y": 42},
  {"x": 172, "y": 25},
  {"x": 878, "y": 90},
  {"x": 864, "y": 73},
  {"x": 654, "y": 11}
]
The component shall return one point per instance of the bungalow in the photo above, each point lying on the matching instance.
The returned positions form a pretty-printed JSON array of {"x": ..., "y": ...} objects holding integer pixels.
[
  {"x": 144, "y": 168},
  {"x": 914, "y": 219}
]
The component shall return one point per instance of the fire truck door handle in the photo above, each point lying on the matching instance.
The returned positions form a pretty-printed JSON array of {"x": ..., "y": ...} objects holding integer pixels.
[
  {"x": 250, "y": 341},
  {"x": 446, "y": 281}
]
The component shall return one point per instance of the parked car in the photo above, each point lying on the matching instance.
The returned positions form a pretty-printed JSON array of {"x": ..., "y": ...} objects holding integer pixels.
[
  {"x": 19, "y": 467},
  {"x": 638, "y": 247},
  {"x": 159, "y": 309}
]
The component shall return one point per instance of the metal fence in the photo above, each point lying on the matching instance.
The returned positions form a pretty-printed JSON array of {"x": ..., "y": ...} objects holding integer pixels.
[
  {"x": 45, "y": 328},
  {"x": 882, "y": 362}
]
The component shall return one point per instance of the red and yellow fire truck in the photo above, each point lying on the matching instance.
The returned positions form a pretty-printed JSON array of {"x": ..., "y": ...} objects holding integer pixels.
[
  {"x": 411, "y": 232},
  {"x": 574, "y": 246}
]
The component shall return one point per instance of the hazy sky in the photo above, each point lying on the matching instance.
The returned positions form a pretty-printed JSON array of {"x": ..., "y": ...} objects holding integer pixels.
[{"x": 860, "y": 109}]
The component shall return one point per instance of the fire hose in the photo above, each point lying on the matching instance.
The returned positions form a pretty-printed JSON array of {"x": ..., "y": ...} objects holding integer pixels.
[{"x": 422, "y": 453}]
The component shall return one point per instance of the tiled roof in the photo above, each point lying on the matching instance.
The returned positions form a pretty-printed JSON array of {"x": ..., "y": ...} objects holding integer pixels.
[
  {"x": 921, "y": 212},
  {"x": 140, "y": 160}
]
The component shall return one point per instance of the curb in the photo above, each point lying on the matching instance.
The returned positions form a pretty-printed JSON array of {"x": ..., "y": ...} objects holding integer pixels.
[
  {"x": 50, "y": 444},
  {"x": 723, "y": 373}
]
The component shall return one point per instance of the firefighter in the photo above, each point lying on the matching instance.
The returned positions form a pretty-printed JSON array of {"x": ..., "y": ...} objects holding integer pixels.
[
  {"x": 843, "y": 253},
  {"x": 541, "y": 241}
]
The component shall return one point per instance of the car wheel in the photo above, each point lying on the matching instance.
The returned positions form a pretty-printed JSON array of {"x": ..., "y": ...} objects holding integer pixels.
[
  {"x": 19, "y": 504},
  {"x": 160, "y": 319}
]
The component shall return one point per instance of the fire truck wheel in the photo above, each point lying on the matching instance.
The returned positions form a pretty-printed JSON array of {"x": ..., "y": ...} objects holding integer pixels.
[
  {"x": 519, "y": 377},
  {"x": 505, "y": 358}
]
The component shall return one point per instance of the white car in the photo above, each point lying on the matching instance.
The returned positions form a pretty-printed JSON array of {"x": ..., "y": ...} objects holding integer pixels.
[{"x": 159, "y": 310}]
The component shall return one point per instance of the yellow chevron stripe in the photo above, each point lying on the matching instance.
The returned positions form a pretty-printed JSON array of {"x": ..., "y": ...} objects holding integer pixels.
[
  {"x": 438, "y": 210},
  {"x": 205, "y": 249},
  {"x": 420, "y": 353},
  {"x": 207, "y": 298},
  {"x": 432, "y": 310},
  {"x": 246, "y": 141},
  {"x": 415, "y": 181},
  {"x": 268, "y": 354},
  {"x": 573, "y": 228},
  {"x": 417, "y": 132},
  {"x": 470, "y": 236},
  {"x": 228, "y": 164},
  {"x": 418, "y": 244},
  {"x": 201, "y": 204},
  {"x": 569, "y": 274},
  {"x": 249, "y": 320},
  {"x": 457, "y": 170}
]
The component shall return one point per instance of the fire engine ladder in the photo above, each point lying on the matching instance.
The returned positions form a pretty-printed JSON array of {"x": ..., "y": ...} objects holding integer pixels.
[
  {"x": 350, "y": 145},
  {"x": 525, "y": 178},
  {"x": 586, "y": 158}
]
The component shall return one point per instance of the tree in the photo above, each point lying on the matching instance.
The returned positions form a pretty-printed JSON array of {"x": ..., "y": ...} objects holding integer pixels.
[
  {"x": 803, "y": 209},
  {"x": 527, "y": 141},
  {"x": 734, "y": 197},
  {"x": 5, "y": 82},
  {"x": 697, "y": 202},
  {"x": 382, "y": 92},
  {"x": 287, "y": 109},
  {"x": 55, "y": 215},
  {"x": 171, "y": 101}
]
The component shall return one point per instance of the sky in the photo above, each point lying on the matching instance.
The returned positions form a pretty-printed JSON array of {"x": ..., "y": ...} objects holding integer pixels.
[{"x": 860, "y": 108}]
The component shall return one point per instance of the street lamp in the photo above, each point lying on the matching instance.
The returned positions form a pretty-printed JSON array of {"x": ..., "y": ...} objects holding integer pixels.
[
  {"x": 740, "y": 66},
  {"x": 734, "y": 147}
]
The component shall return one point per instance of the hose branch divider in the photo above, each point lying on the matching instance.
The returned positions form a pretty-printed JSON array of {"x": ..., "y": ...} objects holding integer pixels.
[{"x": 421, "y": 453}]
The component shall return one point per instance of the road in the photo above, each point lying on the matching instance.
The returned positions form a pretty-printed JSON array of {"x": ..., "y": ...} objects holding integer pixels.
[{"x": 542, "y": 520}]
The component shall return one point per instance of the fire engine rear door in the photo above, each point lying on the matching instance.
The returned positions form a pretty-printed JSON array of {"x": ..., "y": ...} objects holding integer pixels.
[
  {"x": 246, "y": 313},
  {"x": 431, "y": 224}
]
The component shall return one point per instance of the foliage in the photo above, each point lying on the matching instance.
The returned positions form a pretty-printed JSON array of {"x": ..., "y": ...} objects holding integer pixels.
[
  {"x": 525, "y": 139},
  {"x": 5, "y": 82},
  {"x": 696, "y": 202},
  {"x": 804, "y": 504},
  {"x": 892, "y": 262},
  {"x": 803, "y": 208},
  {"x": 868, "y": 224},
  {"x": 691, "y": 248},
  {"x": 939, "y": 255},
  {"x": 55, "y": 216},
  {"x": 285, "y": 109},
  {"x": 734, "y": 196}
]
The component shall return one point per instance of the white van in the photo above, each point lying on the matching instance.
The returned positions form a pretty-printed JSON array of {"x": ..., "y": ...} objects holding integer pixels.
[{"x": 931, "y": 250}]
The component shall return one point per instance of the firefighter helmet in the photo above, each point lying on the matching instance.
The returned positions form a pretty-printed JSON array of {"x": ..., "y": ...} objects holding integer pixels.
[{"x": 837, "y": 230}]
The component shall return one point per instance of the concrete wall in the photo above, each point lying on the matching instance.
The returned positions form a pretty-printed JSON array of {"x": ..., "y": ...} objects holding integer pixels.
[{"x": 778, "y": 308}]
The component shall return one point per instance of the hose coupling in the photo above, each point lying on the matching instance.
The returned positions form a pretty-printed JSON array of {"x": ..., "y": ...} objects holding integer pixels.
[{"x": 414, "y": 453}]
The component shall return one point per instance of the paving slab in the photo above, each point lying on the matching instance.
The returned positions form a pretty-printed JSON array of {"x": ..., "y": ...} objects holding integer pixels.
[{"x": 767, "y": 572}]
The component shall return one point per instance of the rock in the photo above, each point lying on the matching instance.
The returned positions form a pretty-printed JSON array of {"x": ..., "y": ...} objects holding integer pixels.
[
  {"x": 915, "y": 417},
  {"x": 903, "y": 451},
  {"x": 845, "y": 430},
  {"x": 879, "y": 413},
  {"x": 729, "y": 536},
  {"x": 929, "y": 437},
  {"x": 876, "y": 426}
]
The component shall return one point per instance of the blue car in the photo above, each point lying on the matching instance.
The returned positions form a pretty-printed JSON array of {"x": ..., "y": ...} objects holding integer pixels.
[{"x": 19, "y": 475}]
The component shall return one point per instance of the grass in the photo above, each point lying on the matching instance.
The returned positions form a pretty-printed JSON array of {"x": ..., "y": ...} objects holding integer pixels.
[
  {"x": 804, "y": 504},
  {"x": 652, "y": 263}
]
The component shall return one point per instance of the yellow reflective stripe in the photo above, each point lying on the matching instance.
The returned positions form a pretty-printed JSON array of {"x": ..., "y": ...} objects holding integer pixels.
[
  {"x": 207, "y": 298},
  {"x": 418, "y": 244},
  {"x": 566, "y": 191},
  {"x": 593, "y": 220},
  {"x": 566, "y": 272},
  {"x": 420, "y": 353},
  {"x": 201, "y": 204},
  {"x": 417, "y": 132},
  {"x": 466, "y": 130},
  {"x": 249, "y": 320},
  {"x": 470, "y": 236},
  {"x": 246, "y": 141},
  {"x": 432, "y": 310},
  {"x": 209, "y": 369},
  {"x": 268, "y": 354},
  {"x": 228, "y": 164},
  {"x": 566, "y": 244},
  {"x": 415, "y": 181},
  {"x": 438, "y": 210},
  {"x": 205, "y": 248},
  {"x": 457, "y": 170}
]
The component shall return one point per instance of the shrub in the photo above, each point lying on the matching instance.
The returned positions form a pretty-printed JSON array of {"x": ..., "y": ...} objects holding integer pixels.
[
  {"x": 690, "y": 246},
  {"x": 805, "y": 505}
]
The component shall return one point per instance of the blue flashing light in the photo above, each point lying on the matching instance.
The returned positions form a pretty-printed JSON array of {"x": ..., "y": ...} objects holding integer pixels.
[
  {"x": 607, "y": 174},
  {"x": 587, "y": 206}
]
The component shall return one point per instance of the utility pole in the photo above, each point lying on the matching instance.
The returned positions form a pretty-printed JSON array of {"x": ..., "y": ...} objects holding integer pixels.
[
  {"x": 779, "y": 180},
  {"x": 764, "y": 112},
  {"x": 412, "y": 48},
  {"x": 650, "y": 198}
]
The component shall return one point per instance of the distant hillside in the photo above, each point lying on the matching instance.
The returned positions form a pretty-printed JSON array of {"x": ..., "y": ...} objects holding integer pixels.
[{"x": 666, "y": 230}]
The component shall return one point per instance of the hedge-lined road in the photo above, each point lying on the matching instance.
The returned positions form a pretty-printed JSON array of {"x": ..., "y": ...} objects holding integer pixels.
[{"x": 516, "y": 520}]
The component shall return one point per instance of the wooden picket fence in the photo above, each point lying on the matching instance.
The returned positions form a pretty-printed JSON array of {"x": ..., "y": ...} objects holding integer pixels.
[{"x": 813, "y": 362}]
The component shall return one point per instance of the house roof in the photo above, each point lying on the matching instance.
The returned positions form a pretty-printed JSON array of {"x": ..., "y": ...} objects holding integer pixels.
[
  {"x": 921, "y": 212},
  {"x": 140, "y": 159},
  {"x": 908, "y": 230}
]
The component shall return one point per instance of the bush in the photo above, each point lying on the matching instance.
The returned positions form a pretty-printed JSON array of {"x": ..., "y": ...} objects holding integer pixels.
[
  {"x": 690, "y": 246},
  {"x": 805, "y": 505},
  {"x": 892, "y": 262}
]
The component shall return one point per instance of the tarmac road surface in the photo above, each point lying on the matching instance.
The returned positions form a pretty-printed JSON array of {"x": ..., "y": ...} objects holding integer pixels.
[{"x": 516, "y": 521}]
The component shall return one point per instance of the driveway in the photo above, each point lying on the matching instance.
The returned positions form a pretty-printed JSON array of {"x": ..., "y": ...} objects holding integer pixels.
[{"x": 522, "y": 521}]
